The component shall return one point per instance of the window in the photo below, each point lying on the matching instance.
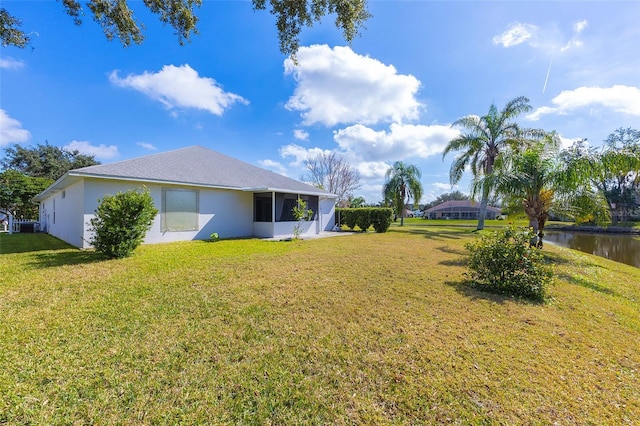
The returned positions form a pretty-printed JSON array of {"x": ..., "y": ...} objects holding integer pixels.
[
  {"x": 286, "y": 202},
  {"x": 179, "y": 210},
  {"x": 262, "y": 207}
]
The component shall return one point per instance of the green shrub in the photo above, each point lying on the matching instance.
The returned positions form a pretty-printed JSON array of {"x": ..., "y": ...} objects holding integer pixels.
[
  {"x": 363, "y": 218},
  {"x": 349, "y": 218},
  {"x": 381, "y": 219},
  {"x": 122, "y": 221},
  {"x": 504, "y": 262}
]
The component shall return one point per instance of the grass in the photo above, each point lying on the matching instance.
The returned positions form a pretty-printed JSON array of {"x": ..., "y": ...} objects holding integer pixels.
[{"x": 362, "y": 329}]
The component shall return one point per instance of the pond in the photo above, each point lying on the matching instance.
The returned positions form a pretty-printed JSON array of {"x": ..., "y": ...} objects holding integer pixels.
[{"x": 622, "y": 248}]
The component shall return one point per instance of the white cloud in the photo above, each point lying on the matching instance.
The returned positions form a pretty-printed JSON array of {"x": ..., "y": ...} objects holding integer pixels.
[
  {"x": 9, "y": 63},
  {"x": 274, "y": 166},
  {"x": 444, "y": 187},
  {"x": 299, "y": 153},
  {"x": 101, "y": 151},
  {"x": 549, "y": 40},
  {"x": 11, "y": 130},
  {"x": 180, "y": 87},
  {"x": 337, "y": 85},
  {"x": 516, "y": 34},
  {"x": 402, "y": 141},
  {"x": 146, "y": 145},
  {"x": 373, "y": 169},
  {"x": 578, "y": 27},
  {"x": 567, "y": 142},
  {"x": 621, "y": 99},
  {"x": 300, "y": 134}
]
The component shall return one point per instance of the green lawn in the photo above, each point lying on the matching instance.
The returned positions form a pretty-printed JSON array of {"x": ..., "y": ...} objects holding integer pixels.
[{"x": 361, "y": 329}]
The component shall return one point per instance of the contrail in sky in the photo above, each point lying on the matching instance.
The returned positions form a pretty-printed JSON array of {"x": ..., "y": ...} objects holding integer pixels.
[{"x": 546, "y": 80}]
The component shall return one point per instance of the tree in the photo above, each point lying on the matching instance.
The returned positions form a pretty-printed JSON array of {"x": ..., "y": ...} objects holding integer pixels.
[
  {"x": 613, "y": 170},
  {"x": 17, "y": 190},
  {"x": 45, "y": 160},
  {"x": 486, "y": 138},
  {"x": 331, "y": 172},
  {"x": 121, "y": 222},
  {"x": 357, "y": 202},
  {"x": 402, "y": 183},
  {"x": 301, "y": 213},
  {"x": 118, "y": 21},
  {"x": 10, "y": 34},
  {"x": 533, "y": 176}
]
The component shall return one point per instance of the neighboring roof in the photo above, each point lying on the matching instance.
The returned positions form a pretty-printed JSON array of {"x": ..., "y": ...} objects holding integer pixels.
[
  {"x": 460, "y": 204},
  {"x": 195, "y": 166}
]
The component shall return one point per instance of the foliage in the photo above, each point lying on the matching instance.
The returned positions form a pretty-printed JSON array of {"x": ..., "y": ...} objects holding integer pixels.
[
  {"x": 613, "y": 170},
  {"x": 301, "y": 213},
  {"x": 17, "y": 190},
  {"x": 381, "y": 219},
  {"x": 10, "y": 33},
  {"x": 504, "y": 262},
  {"x": 356, "y": 202},
  {"x": 531, "y": 175},
  {"x": 485, "y": 139},
  {"x": 585, "y": 207},
  {"x": 214, "y": 237},
  {"x": 45, "y": 160},
  {"x": 348, "y": 217},
  {"x": 118, "y": 21},
  {"x": 333, "y": 173},
  {"x": 121, "y": 222},
  {"x": 364, "y": 217},
  {"x": 402, "y": 183}
]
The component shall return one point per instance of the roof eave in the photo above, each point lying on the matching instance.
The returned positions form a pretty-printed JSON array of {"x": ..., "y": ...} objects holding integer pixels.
[{"x": 290, "y": 191}]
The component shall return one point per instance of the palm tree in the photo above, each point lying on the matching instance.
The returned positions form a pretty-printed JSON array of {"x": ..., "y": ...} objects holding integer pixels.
[
  {"x": 402, "y": 182},
  {"x": 532, "y": 176},
  {"x": 486, "y": 138}
]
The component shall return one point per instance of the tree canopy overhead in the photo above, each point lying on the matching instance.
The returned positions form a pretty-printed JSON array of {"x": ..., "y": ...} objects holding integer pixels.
[
  {"x": 45, "y": 160},
  {"x": 118, "y": 21}
]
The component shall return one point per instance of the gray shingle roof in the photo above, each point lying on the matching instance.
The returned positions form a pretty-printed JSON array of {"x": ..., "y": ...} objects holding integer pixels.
[
  {"x": 459, "y": 204},
  {"x": 197, "y": 165}
]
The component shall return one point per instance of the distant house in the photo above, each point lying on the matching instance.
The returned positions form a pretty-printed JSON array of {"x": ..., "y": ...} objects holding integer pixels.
[
  {"x": 197, "y": 191},
  {"x": 460, "y": 209}
]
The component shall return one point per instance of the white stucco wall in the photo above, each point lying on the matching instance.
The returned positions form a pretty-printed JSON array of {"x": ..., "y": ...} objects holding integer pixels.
[
  {"x": 227, "y": 212},
  {"x": 61, "y": 214},
  {"x": 327, "y": 214}
]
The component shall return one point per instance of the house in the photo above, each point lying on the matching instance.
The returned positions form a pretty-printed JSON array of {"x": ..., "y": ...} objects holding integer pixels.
[
  {"x": 197, "y": 191},
  {"x": 460, "y": 209}
]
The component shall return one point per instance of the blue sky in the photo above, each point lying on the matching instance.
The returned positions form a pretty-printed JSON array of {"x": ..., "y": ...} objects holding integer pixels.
[{"x": 392, "y": 95}]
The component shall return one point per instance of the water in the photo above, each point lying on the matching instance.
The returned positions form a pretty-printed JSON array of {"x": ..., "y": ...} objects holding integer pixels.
[{"x": 620, "y": 248}]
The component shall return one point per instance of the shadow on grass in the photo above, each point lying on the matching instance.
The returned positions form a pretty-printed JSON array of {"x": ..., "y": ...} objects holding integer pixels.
[
  {"x": 447, "y": 249},
  {"x": 555, "y": 258},
  {"x": 455, "y": 262},
  {"x": 27, "y": 243},
  {"x": 434, "y": 233},
  {"x": 63, "y": 258},
  {"x": 587, "y": 284},
  {"x": 466, "y": 288}
]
